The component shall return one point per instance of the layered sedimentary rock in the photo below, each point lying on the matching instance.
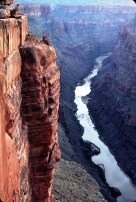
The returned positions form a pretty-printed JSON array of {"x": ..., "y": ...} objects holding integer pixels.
[
  {"x": 40, "y": 101},
  {"x": 113, "y": 102},
  {"x": 13, "y": 135},
  {"x": 28, "y": 131},
  {"x": 13, "y": 32}
]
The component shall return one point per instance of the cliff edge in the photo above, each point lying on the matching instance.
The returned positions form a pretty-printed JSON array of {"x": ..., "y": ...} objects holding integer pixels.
[{"x": 29, "y": 99}]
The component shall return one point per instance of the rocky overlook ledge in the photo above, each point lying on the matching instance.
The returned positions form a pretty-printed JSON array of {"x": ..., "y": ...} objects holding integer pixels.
[{"x": 29, "y": 99}]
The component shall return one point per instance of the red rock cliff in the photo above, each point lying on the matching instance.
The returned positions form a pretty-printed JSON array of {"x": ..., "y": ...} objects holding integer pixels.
[
  {"x": 40, "y": 101},
  {"x": 28, "y": 131},
  {"x": 13, "y": 136}
]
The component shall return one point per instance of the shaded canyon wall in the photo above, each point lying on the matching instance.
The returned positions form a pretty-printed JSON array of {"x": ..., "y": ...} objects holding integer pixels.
[
  {"x": 79, "y": 34},
  {"x": 113, "y": 102},
  {"x": 40, "y": 101}
]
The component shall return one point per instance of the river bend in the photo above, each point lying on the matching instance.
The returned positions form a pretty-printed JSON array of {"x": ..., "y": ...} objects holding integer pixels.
[{"x": 115, "y": 177}]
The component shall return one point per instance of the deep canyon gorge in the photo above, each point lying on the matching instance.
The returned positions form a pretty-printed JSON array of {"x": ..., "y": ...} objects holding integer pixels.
[{"x": 34, "y": 75}]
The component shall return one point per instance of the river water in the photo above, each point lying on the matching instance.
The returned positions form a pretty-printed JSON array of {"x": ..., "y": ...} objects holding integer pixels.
[{"x": 115, "y": 177}]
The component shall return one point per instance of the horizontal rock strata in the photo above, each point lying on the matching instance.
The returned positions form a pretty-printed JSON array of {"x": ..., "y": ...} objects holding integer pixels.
[
  {"x": 40, "y": 101},
  {"x": 13, "y": 135},
  {"x": 28, "y": 140}
]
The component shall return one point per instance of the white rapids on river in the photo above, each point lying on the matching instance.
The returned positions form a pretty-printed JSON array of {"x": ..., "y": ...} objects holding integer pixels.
[{"x": 115, "y": 177}]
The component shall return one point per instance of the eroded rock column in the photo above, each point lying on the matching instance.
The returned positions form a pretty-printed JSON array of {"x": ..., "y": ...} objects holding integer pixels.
[{"x": 40, "y": 101}]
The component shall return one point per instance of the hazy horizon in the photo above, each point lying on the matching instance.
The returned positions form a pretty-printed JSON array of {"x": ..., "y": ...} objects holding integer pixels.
[{"x": 78, "y": 2}]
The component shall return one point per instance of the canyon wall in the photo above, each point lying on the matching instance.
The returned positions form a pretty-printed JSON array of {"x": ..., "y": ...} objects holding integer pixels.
[
  {"x": 113, "y": 102},
  {"x": 13, "y": 135},
  {"x": 36, "y": 10},
  {"x": 39, "y": 109},
  {"x": 79, "y": 34},
  {"x": 29, "y": 98}
]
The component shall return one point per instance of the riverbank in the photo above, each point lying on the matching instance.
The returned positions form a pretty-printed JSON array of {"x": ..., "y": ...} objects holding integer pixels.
[
  {"x": 113, "y": 105},
  {"x": 115, "y": 177}
]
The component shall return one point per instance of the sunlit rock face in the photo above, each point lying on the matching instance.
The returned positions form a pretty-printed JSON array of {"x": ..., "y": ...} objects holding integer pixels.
[
  {"x": 6, "y": 2},
  {"x": 113, "y": 102},
  {"x": 40, "y": 101},
  {"x": 13, "y": 135},
  {"x": 29, "y": 98},
  {"x": 87, "y": 33},
  {"x": 13, "y": 33}
]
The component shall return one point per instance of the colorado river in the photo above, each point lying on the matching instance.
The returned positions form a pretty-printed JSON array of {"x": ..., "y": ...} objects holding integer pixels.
[{"x": 115, "y": 177}]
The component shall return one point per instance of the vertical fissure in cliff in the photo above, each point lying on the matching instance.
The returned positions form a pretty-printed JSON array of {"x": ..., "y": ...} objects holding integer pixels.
[{"x": 27, "y": 139}]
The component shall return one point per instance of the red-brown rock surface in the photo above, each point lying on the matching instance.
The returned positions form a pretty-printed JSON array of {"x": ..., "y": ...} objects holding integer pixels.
[
  {"x": 12, "y": 34},
  {"x": 13, "y": 144},
  {"x": 6, "y": 2},
  {"x": 40, "y": 101},
  {"x": 28, "y": 141}
]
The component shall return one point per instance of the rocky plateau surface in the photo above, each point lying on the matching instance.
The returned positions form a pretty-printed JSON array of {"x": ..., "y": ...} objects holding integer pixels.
[{"x": 39, "y": 109}]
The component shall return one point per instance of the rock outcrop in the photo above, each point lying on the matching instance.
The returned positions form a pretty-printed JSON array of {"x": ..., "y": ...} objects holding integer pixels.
[
  {"x": 113, "y": 102},
  {"x": 40, "y": 101},
  {"x": 72, "y": 183},
  {"x": 28, "y": 113},
  {"x": 13, "y": 135}
]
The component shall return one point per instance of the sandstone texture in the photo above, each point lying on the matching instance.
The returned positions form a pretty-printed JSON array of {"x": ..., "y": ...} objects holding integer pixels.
[
  {"x": 13, "y": 135},
  {"x": 13, "y": 32},
  {"x": 29, "y": 99},
  {"x": 39, "y": 109}
]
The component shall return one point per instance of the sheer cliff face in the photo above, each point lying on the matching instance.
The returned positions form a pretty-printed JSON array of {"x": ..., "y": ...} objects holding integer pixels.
[
  {"x": 113, "y": 102},
  {"x": 29, "y": 97},
  {"x": 40, "y": 101},
  {"x": 13, "y": 136}
]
